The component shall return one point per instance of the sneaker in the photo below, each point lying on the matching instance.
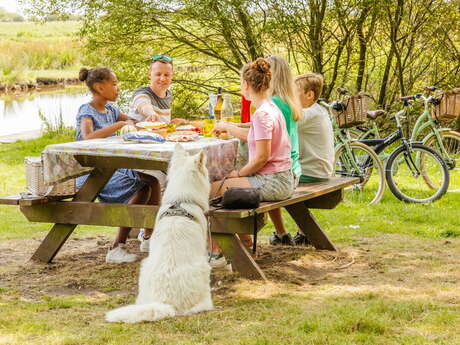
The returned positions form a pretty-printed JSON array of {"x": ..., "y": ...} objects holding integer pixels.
[
  {"x": 119, "y": 255},
  {"x": 217, "y": 260},
  {"x": 145, "y": 242},
  {"x": 301, "y": 240},
  {"x": 285, "y": 239},
  {"x": 140, "y": 235}
]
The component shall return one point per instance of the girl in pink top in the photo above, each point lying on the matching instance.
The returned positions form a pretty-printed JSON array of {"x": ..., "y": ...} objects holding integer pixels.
[{"x": 269, "y": 165}]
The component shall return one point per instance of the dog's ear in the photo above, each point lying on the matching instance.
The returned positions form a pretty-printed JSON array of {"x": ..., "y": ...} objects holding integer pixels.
[
  {"x": 179, "y": 150},
  {"x": 178, "y": 155},
  {"x": 200, "y": 161}
]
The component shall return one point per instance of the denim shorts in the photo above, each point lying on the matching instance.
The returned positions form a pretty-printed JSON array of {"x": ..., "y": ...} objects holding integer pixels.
[{"x": 121, "y": 187}]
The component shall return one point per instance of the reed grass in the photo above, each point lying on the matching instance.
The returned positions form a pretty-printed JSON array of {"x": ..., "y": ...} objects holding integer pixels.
[{"x": 29, "y": 49}]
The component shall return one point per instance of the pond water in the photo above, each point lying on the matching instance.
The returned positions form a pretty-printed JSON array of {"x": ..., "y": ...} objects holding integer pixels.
[{"x": 19, "y": 113}]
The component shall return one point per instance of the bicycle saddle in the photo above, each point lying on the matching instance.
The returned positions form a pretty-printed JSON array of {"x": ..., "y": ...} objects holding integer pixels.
[
  {"x": 407, "y": 98},
  {"x": 373, "y": 114}
]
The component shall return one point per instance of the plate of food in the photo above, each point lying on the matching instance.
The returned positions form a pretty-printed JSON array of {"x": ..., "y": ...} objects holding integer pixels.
[
  {"x": 152, "y": 125},
  {"x": 160, "y": 128},
  {"x": 187, "y": 128},
  {"x": 180, "y": 136}
]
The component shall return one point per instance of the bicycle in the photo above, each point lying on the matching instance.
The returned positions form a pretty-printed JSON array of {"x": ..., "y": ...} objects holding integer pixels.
[
  {"x": 444, "y": 140},
  {"x": 355, "y": 159},
  {"x": 411, "y": 164}
]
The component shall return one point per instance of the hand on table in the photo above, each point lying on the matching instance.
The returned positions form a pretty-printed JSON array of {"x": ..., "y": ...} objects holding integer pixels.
[
  {"x": 152, "y": 118},
  {"x": 219, "y": 127}
]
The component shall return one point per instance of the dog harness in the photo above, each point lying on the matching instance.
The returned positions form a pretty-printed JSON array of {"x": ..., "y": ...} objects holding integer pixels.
[{"x": 176, "y": 210}]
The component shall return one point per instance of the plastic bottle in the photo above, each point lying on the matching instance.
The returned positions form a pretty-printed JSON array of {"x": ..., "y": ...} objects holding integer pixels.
[{"x": 227, "y": 109}]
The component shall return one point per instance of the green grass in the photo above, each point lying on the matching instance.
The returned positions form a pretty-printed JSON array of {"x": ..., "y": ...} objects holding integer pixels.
[
  {"x": 31, "y": 50},
  {"x": 389, "y": 216},
  {"x": 342, "y": 319},
  {"x": 12, "y": 181},
  {"x": 403, "y": 288}
]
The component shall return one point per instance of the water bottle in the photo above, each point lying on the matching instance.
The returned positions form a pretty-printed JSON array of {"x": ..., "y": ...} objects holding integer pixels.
[{"x": 227, "y": 109}]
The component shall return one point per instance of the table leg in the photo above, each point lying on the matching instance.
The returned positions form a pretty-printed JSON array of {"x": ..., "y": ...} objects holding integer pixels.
[
  {"x": 241, "y": 260},
  {"x": 309, "y": 226},
  {"x": 59, "y": 233}
]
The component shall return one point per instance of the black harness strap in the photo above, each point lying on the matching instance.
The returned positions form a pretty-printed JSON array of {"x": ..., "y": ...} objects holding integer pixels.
[{"x": 176, "y": 210}]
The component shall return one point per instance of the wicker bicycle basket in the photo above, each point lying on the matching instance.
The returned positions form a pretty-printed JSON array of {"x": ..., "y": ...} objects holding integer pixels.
[
  {"x": 448, "y": 107},
  {"x": 35, "y": 182},
  {"x": 355, "y": 112}
]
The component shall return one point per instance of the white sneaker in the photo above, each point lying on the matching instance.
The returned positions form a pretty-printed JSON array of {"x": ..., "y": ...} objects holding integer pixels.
[
  {"x": 145, "y": 243},
  {"x": 119, "y": 255},
  {"x": 140, "y": 235},
  {"x": 217, "y": 261}
]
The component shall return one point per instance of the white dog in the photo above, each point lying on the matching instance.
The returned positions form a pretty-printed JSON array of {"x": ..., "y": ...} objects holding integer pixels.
[{"x": 175, "y": 277}]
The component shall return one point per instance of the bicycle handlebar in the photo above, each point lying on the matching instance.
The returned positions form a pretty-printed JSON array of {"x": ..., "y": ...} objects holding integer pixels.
[
  {"x": 336, "y": 105},
  {"x": 431, "y": 88},
  {"x": 342, "y": 91}
]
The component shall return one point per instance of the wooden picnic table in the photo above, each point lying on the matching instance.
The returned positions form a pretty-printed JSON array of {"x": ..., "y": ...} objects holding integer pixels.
[{"x": 225, "y": 224}]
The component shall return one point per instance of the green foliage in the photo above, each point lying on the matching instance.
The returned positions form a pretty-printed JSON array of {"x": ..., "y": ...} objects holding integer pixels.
[
  {"x": 28, "y": 49},
  {"x": 56, "y": 127},
  {"x": 387, "y": 48},
  {"x": 6, "y": 16}
]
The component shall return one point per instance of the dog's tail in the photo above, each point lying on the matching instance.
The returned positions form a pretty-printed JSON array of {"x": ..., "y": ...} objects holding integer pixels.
[{"x": 141, "y": 312}]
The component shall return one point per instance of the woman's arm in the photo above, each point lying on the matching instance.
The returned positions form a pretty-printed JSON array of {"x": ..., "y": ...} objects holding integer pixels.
[
  {"x": 238, "y": 132},
  {"x": 88, "y": 132},
  {"x": 263, "y": 153}
]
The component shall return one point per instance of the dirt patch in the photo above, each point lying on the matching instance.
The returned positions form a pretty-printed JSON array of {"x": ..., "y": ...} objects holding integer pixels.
[
  {"x": 80, "y": 269},
  {"x": 301, "y": 265}
]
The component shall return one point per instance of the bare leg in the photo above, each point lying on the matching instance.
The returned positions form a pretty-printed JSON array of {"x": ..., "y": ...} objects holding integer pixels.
[
  {"x": 139, "y": 198},
  {"x": 277, "y": 219},
  {"x": 154, "y": 198}
]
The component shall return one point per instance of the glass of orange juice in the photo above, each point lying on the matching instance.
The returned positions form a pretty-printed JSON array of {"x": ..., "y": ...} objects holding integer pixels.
[{"x": 208, "y": 127}]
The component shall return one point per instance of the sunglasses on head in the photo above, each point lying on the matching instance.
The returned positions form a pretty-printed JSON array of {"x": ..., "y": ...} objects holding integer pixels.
[{"x": 161, "y": 57}]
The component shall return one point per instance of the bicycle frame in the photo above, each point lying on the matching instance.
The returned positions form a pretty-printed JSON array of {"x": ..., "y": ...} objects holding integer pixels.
[
  {"x": 425, "y": 121},
  {"x": 379, "y": 145},
  {"x": 367, "y": 133}
]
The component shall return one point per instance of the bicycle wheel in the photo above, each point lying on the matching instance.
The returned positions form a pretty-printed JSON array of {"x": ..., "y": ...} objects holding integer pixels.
[
  {"x": 355, "y": 159},
  {"x": 450, "y": 154},
  {"x": 405, "y": 172}
]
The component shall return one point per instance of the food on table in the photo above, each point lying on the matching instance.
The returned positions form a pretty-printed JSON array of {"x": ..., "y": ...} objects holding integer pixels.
[
  {"x": 161, "y": 131},
  {"x": 143, "y": 137},
  {"x": 198, "y": 124},
  {"x": 224, "y": 135},
  {"x": 158, "y": 127},
  {"x": 152, "y": 125},
  {"x": 171, "y": 127},
  {"x": 188, "y": 128},
  {"x": 182, "y": 136},
  {"x": 128, "y": 129}
]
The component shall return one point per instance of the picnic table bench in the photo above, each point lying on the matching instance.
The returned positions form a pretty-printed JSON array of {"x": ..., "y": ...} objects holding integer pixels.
[{"x": 101, "y": 158}]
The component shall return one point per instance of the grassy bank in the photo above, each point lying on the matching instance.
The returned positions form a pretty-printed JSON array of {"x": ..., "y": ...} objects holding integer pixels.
[
  {"x": 393, "y": 281},
  {"x": 31, "y": 50}
]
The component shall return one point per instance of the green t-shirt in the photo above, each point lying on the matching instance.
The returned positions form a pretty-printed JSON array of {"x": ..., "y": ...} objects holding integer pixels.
[{"x": 291, "y": 126}]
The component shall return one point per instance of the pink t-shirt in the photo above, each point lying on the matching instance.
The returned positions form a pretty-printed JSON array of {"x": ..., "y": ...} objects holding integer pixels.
[{"x": 268, "y": 123}]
